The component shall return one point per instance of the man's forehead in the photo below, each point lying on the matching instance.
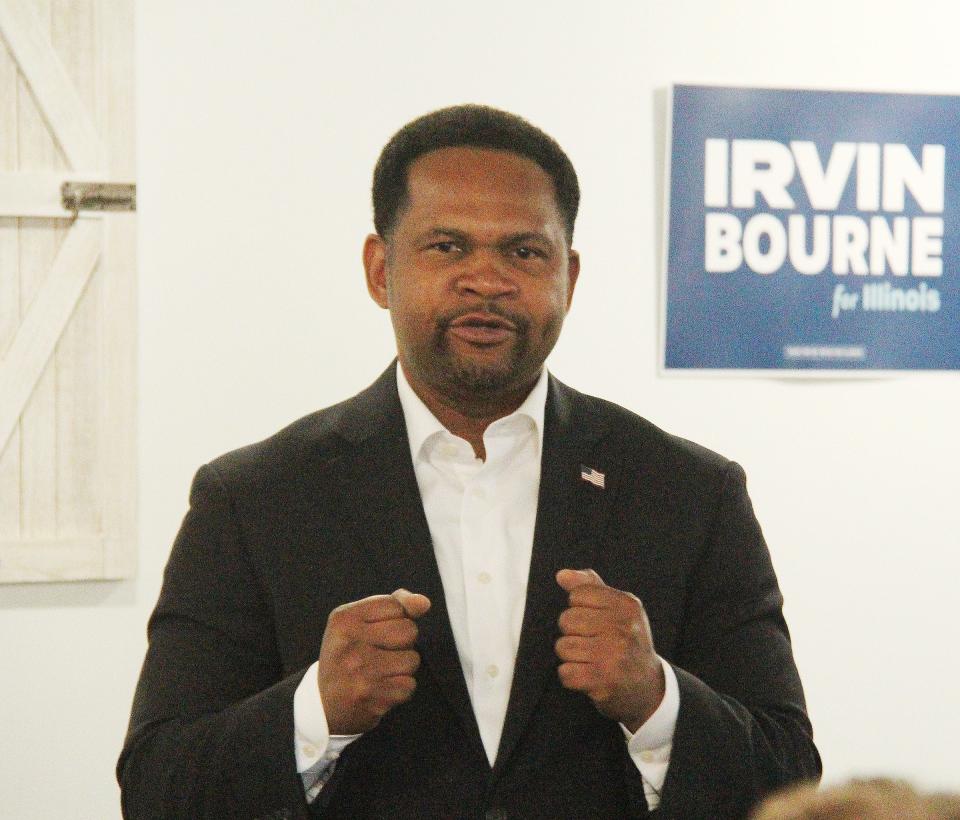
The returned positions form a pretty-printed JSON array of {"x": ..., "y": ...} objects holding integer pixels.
[
  {"x": 474, "y": 181},
  {"x": 481, "y": 168}
]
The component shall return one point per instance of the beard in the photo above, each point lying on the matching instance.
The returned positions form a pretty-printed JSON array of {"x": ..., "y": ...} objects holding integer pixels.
[{"x": 463, "y": 375}]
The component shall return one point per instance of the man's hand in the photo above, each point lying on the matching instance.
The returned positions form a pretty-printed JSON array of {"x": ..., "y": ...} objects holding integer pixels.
[
  {"x": 606, "y": 649},
  {"x": 367, "y": 659}
]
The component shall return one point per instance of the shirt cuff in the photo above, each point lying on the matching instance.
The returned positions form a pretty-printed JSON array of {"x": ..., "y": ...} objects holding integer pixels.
[
  {"x": 313, "y": 742},
  {"x": 651, "y": 744}
]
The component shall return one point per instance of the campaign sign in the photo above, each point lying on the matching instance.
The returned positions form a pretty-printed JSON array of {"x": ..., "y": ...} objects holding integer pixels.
[{"x": 812, "y": 230}]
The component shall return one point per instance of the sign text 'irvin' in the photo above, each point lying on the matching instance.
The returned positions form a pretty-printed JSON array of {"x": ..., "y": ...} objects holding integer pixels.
[{"x": 878, "y": 242}]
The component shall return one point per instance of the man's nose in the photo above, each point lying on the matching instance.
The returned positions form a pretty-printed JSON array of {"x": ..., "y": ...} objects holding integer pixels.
[{"x": 486, "y": 275}]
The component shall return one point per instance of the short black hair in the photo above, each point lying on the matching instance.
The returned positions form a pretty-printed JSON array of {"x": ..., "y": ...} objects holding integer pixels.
[{"x": 478, "y": 126}]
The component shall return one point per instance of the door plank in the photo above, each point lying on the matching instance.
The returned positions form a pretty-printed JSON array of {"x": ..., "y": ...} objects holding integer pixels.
[
  {"x": 25, "y": 360},
  {"x": 77, "y": 355},
  {"x": 9, "y": 321},
  {"x": 9, "y": 292},
  {"x": 119, "y": 271},
  {"x": 68, "y": 118},
  {"x": 39, "y": 243}
]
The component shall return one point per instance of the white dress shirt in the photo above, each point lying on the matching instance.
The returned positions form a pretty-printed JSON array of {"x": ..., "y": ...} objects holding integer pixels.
[{"x": 481, "y": 516}]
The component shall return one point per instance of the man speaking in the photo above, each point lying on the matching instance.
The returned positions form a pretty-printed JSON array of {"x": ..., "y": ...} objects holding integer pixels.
[{"x": 469, "y": 591}]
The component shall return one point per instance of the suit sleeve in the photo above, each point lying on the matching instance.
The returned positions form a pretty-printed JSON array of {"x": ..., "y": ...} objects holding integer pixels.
[
  {"x": 742, "y": 729},
  {"x": 211, "y": 732}
]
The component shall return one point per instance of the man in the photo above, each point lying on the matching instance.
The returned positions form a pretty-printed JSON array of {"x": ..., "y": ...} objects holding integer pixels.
[{"x": 469, "y": 591}]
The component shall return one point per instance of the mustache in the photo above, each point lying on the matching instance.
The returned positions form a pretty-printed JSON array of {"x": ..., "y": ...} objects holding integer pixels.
[{"x": 521, "y": 323}]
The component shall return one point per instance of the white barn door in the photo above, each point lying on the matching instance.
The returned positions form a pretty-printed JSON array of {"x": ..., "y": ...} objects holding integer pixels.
[{"x": 67, "y": 293}]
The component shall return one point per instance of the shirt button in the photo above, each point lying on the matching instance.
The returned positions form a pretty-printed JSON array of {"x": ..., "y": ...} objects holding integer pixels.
[
  {"x": 484, "y": 578},
  {"x": 309, "y": 751},
  {"x": 493, "y": 670},
  {"x": 648, "y": 757}
]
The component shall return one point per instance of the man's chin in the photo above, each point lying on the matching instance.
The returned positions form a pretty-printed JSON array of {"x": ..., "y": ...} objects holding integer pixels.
[
  {"x": 475, "y": 374},
  {"x": 483, "y": 376},
  {"x": 485, "y": 380}
]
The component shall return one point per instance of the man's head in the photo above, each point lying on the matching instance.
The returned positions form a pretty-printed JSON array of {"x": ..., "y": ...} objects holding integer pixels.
[
  {"x": 472, "y": 254},
  {"x": 478, "y": 126}
]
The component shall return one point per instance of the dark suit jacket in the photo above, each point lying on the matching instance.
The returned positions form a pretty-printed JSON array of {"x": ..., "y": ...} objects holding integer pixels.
[{"x": 327, "y": 511}]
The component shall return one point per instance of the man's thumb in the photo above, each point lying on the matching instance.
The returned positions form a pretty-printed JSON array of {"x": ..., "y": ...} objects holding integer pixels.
[
  {"x": 413, "y": 603},
  {"x": 570, "y": 579}
]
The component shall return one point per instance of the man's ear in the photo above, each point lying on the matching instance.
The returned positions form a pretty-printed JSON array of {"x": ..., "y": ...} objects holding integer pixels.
[
  {"x": 375, "y": 265},
  {"x": 573, "y": 272}
]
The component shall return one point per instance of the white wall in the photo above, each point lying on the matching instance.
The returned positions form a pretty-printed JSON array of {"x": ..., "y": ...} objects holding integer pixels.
[{"x": 259, "y": 124}]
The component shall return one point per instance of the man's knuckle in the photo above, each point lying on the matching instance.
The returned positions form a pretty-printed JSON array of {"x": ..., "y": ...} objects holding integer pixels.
[
  {"x": 583, "y": 596},
  {"x": 576, "y": 676},
  {"x": 392, "y": 631},
  {"x": 339, "y": 616},
  {"x": 632, "y": 604},
  {"x": 375, "y": 607}
]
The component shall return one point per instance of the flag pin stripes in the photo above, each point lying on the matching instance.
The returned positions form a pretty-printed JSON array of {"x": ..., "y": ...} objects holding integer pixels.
[{"x": 595, "y": 477}]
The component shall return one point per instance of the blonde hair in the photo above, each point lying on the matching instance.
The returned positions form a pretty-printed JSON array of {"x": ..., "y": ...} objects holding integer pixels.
[{"x": 875, "y": 799}]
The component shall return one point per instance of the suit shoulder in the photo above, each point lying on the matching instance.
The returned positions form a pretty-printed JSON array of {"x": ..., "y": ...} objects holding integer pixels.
[{"x": 647, "y": 443}]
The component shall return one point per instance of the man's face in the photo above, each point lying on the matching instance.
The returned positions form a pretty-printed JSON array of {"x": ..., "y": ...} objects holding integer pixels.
[{"x": 476, "y": 274}]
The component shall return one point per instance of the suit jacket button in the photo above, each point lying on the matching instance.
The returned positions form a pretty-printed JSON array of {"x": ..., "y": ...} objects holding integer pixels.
[{"x": 495, "y": 814}]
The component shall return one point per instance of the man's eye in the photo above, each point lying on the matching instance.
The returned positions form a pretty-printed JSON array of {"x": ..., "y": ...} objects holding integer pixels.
[
  {"x": 446, "y": 247},
  {"x": 525, "y": 252}
]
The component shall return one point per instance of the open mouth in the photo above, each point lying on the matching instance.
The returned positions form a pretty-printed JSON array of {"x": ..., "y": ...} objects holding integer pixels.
[{"x": 480, "y": 328}]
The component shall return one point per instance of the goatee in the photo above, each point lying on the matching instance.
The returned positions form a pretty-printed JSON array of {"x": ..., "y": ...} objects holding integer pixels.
[{"x": 465, "y": 375}]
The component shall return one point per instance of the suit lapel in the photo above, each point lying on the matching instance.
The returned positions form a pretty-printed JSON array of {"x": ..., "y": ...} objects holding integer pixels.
[
  {"x": 381, "y": 479},
  {"x": 571, "y": 514},
  {"x": 377, "y": 478}
]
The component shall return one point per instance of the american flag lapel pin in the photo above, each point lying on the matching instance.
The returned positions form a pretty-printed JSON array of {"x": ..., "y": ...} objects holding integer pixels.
[{"x": 592, "y": 476}]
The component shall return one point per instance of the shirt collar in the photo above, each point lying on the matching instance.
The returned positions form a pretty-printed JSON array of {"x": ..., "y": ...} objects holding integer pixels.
[{"x": 422, "y": 424}]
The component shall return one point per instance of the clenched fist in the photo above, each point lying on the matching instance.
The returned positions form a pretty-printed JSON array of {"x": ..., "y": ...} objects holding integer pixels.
[
  {"x": 606, "y": 649},
  {"x": 367, "y": 659}
]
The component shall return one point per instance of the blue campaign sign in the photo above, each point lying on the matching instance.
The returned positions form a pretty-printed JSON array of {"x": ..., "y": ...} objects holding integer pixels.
[{"x": 812, "y": 230}]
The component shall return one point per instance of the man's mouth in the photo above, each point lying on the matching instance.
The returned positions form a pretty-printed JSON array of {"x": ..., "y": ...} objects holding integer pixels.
[{"x": 481, "y": 328}]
